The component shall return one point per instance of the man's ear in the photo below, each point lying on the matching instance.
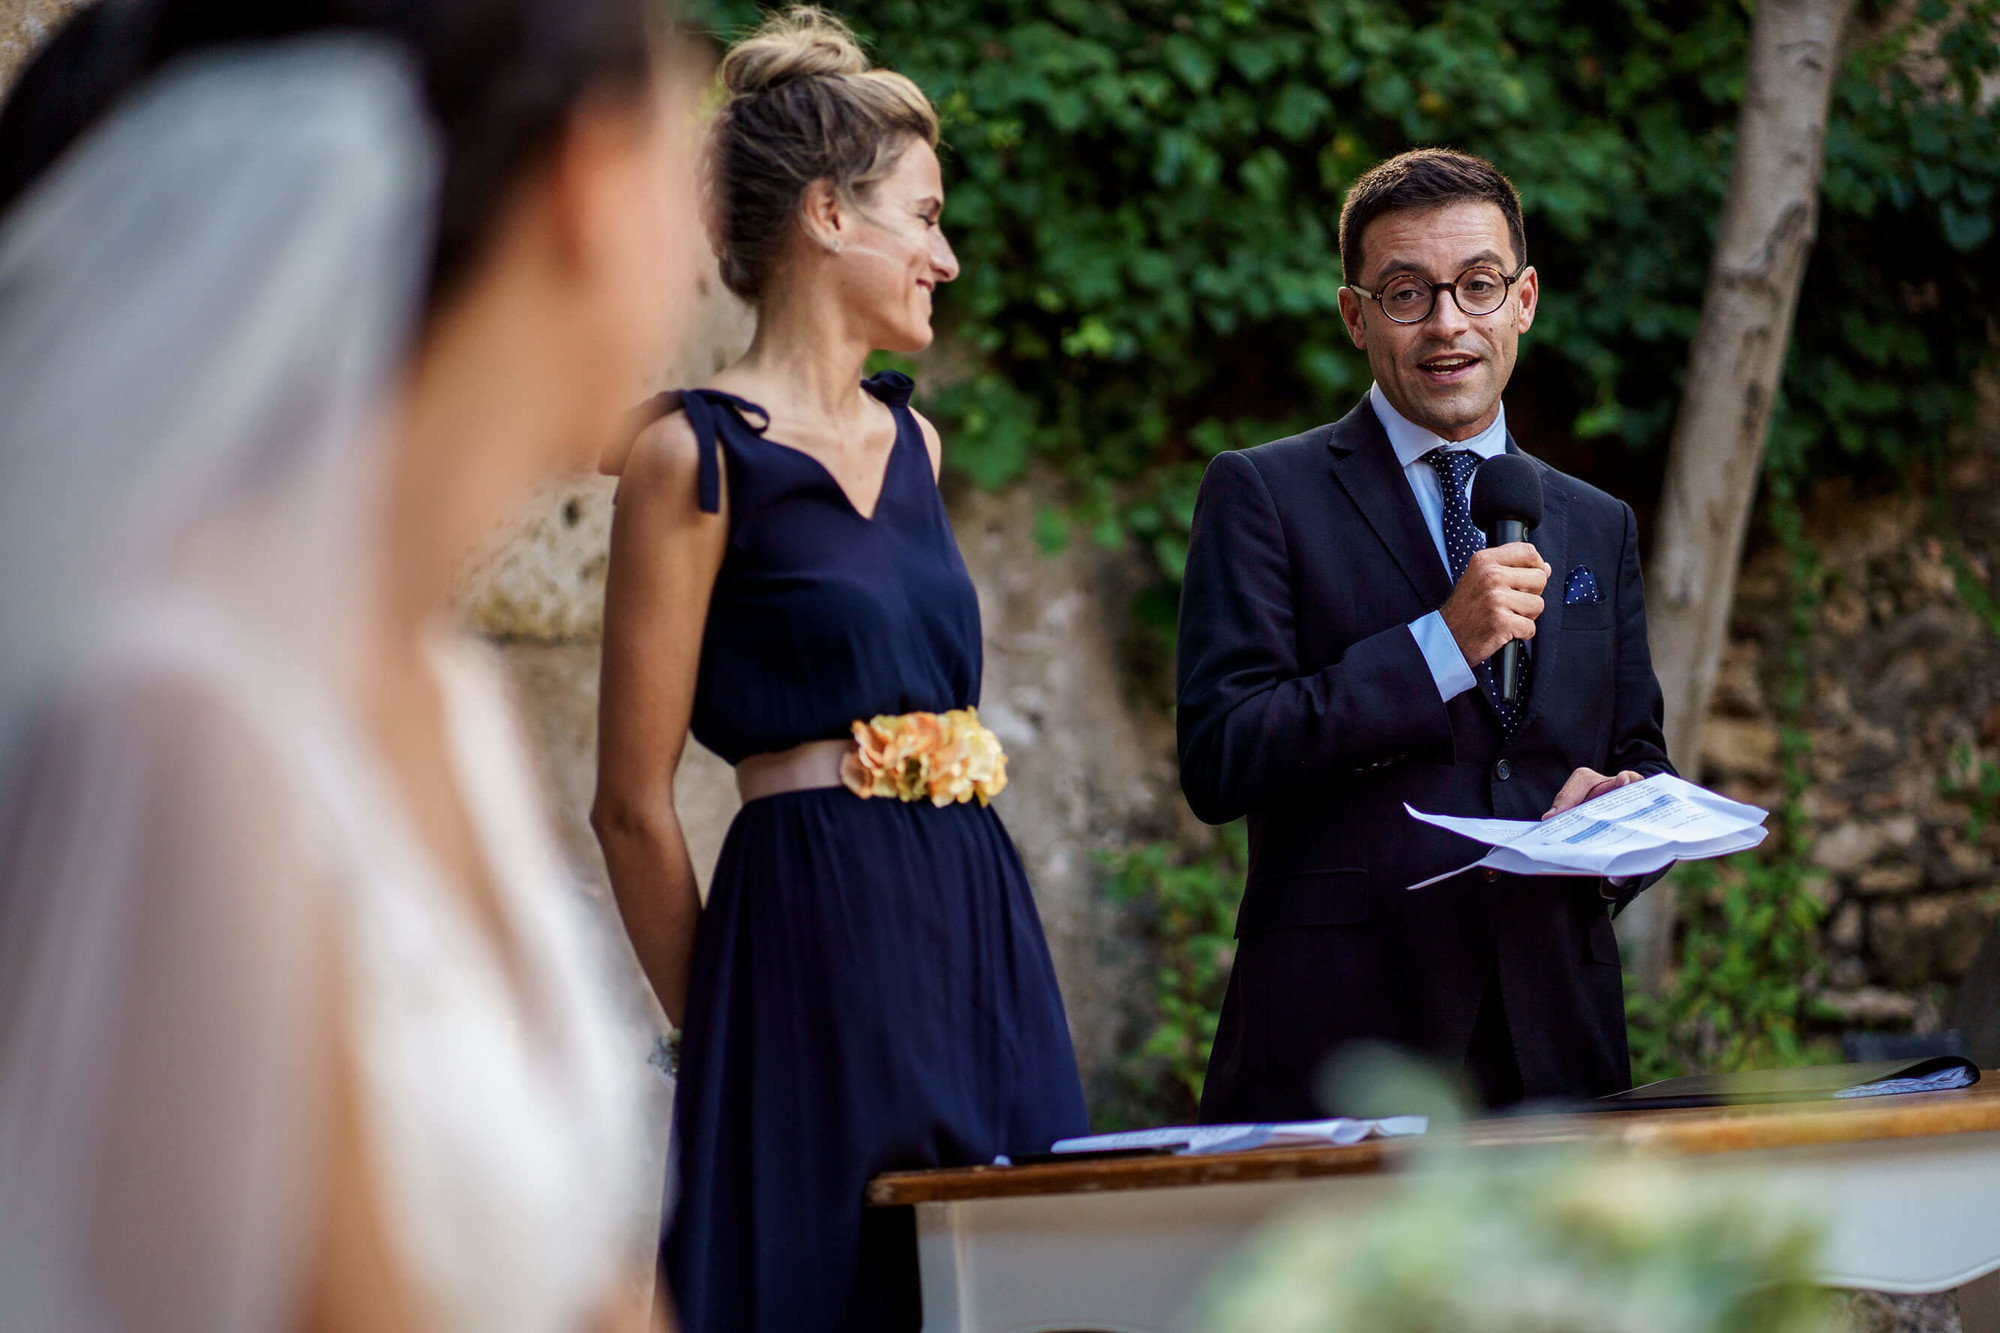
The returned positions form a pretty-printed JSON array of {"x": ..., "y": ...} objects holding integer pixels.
[
  {"x": 1350, "y": 315},
  {"x": 1528, "y": 295}
]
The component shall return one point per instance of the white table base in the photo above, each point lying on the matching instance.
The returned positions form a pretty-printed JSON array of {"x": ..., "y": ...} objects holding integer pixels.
[{"x": 1902, "y": 1215}]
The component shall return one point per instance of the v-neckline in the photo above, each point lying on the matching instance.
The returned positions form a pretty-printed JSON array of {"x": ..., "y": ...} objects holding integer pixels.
[
  {"x": 502, "y": 942},
  {"x": 888, "y": 464}
]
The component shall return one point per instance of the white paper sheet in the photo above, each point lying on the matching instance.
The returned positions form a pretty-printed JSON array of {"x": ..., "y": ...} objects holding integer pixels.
[
  {"x": 1634, "y": 830},
  {"x": 1238, "y": 1138}
]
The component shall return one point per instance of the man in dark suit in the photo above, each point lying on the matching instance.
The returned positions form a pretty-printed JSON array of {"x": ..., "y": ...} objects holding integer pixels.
[{"x": 1336, "y": 622}]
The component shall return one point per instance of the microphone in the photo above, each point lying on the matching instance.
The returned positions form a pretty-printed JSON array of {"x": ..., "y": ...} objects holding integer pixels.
[{"x": 1506, "y": 501}]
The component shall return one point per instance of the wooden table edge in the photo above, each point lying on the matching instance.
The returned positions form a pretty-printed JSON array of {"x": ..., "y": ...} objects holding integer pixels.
[
  {"x": 1144, "y": 1173},
  {"x": 1686, "y": 1133}
]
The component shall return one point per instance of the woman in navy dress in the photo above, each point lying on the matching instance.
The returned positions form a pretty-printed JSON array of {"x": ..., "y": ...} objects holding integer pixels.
[{"x": 868, "y": 987}]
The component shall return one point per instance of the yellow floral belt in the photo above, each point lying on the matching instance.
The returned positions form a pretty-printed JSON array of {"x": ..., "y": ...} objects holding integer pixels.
[{"x": 943, "y": 758}]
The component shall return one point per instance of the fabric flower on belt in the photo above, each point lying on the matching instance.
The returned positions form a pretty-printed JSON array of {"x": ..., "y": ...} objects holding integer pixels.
[{"x": 943, "y": 757}]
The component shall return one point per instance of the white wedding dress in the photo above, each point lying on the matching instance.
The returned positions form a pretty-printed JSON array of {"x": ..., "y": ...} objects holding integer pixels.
[
  {"x": 500, "y": 1097},
  {"x": 207, "y": 877},
  {"x": 508, "y": 1115}
]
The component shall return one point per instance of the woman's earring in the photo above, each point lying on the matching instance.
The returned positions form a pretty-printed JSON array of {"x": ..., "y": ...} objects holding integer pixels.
[{"x": 833, "y": 246}]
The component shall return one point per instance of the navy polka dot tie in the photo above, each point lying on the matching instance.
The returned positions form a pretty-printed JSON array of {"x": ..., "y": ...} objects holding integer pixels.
[{"x": 1455, "y": 468}]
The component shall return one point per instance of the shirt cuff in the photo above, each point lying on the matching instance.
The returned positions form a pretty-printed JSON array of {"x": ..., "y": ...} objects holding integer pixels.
[{"x": 1441, "y": 651}]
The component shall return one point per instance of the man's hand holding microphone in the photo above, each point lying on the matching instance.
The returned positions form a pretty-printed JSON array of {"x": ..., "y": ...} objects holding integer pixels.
[
  {"x": 1497, "y": 600},
  {"x": 1494, "y": 607}
]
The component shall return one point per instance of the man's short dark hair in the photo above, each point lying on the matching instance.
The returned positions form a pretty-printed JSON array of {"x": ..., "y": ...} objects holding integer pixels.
[{"x": 1425, "y": 178}]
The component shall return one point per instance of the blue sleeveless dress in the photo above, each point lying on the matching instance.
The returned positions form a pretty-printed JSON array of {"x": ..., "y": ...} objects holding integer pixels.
[{"x": 871, "y": 987}]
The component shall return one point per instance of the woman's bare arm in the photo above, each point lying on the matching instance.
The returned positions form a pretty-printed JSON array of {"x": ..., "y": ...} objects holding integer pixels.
[{"x": 665, "y": 554}]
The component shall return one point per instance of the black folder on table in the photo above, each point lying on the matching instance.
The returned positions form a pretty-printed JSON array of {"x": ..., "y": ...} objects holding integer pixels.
[{"x": 1812, "y": 1083}]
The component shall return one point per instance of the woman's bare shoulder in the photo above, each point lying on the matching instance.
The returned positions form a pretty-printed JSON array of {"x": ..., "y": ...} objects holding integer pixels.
[
  {"x": 933, "y": 442},
  {"x": 662, "y": 477},
  {"x": 663, "y": 453}
]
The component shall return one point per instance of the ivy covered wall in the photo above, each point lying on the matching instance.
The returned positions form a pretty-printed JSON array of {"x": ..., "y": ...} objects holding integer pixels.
[{"x": 1144, "y": 196}]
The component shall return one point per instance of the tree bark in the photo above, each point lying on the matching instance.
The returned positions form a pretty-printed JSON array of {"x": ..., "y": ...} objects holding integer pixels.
[{"x": 1714, "y": 459}]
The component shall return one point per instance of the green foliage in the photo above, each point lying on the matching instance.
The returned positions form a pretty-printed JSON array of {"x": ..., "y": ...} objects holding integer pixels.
[
  {"x": 1145, "y": 195},
  {"x": 1969, "y": 777},
  {"x": 1185, "y": 909},
  {"x": 1750, "y": 941},
  {"x": 1972, "y": 589},
  {"x": 1738, "y": 1000},
  {"x": 1976, "y": 782}
]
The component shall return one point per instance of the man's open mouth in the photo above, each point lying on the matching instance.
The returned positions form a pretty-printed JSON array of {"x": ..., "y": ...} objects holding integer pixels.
[{"x": 1447, "y": 367}]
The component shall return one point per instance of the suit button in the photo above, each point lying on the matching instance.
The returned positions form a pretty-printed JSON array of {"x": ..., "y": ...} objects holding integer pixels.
[
  {"x": 1503, "y": 770},
  {"x": 1490, "y": 873}
]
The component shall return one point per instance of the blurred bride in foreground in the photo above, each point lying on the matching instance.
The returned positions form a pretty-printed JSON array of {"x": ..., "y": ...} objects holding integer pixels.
[{"x": 296, "y": 1027}]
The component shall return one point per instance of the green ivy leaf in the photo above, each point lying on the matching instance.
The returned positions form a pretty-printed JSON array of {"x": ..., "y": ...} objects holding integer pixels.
[
  {"x": 1191, "y": 61},
  {"x": 1599, "y": 420},
  {"x": 1211, "y": 437},
  {"x": 1051, "y": 530},
  {"x": 1254, "y": 58},
  {"x": 1299, "y": 110},
  {"x": 1966, "y": 229}
]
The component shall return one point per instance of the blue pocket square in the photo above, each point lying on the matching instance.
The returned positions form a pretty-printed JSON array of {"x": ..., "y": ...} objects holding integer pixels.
[{"x": 1581, "y": 586}]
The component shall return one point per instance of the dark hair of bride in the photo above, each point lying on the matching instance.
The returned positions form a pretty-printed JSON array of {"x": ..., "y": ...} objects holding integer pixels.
[{"x": 501, "y": 79}]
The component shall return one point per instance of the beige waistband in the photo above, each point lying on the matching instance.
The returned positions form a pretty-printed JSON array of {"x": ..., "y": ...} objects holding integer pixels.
[{"x": 802, "y": 768}]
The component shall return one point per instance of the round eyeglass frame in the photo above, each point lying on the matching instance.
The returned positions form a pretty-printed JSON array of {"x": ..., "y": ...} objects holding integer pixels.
[{"x": 1507, "y": 286}]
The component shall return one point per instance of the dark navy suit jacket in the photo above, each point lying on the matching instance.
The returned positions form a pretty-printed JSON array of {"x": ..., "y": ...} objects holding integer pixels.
[{"x": 1306, "y": 704}]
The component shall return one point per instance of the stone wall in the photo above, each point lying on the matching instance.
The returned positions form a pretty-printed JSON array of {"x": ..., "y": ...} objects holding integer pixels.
[
  {"x": 1903, "y": 686},
  {"x": 24, "y": 25}
]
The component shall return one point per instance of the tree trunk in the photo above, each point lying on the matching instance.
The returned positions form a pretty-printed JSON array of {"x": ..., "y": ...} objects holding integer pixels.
[{"x": 1714, "y": 459}]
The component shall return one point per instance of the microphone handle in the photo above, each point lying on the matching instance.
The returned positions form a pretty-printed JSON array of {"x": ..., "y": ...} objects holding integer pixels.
[{"x": 1509, "y": 670}]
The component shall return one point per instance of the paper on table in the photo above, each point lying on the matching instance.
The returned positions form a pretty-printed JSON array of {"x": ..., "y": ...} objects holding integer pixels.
[
  {"x": 1943, "y": 1080},
  {"x": 1634, "y": 830},
  {"x": 1238, "y": 1138}
]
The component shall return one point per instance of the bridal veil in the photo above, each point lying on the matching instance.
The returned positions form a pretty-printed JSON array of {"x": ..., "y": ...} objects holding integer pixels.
[{"x": 203, "y": 309}]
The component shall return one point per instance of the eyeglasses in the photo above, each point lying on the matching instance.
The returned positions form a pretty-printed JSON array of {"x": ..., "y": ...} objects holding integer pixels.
[{"x": 1409, "y": 299}]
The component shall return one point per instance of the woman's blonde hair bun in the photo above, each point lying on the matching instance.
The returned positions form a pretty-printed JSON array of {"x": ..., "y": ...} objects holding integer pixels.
[
  {"x": 804, "y": 104},
  {"x": 803, "y": 42}
]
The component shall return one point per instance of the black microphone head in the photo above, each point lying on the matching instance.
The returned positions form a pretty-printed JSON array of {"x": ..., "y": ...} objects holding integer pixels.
[{"x": 1507, "y": 486}]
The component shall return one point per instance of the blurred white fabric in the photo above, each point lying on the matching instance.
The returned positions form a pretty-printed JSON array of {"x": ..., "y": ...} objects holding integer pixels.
[{"x": 205, "y": 874}]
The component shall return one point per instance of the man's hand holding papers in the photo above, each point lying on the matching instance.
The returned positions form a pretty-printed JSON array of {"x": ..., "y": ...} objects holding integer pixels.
[{"x": 1635, "y": 830}]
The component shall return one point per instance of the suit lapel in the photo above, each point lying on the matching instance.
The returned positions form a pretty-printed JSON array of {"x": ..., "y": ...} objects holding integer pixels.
[
  {"x": 1552, "y": 540},
  {"x": 1365, "y": 464}
]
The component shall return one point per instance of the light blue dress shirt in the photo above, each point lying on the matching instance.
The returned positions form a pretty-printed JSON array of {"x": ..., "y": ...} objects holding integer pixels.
[{"x": 1411, "y": 442}]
